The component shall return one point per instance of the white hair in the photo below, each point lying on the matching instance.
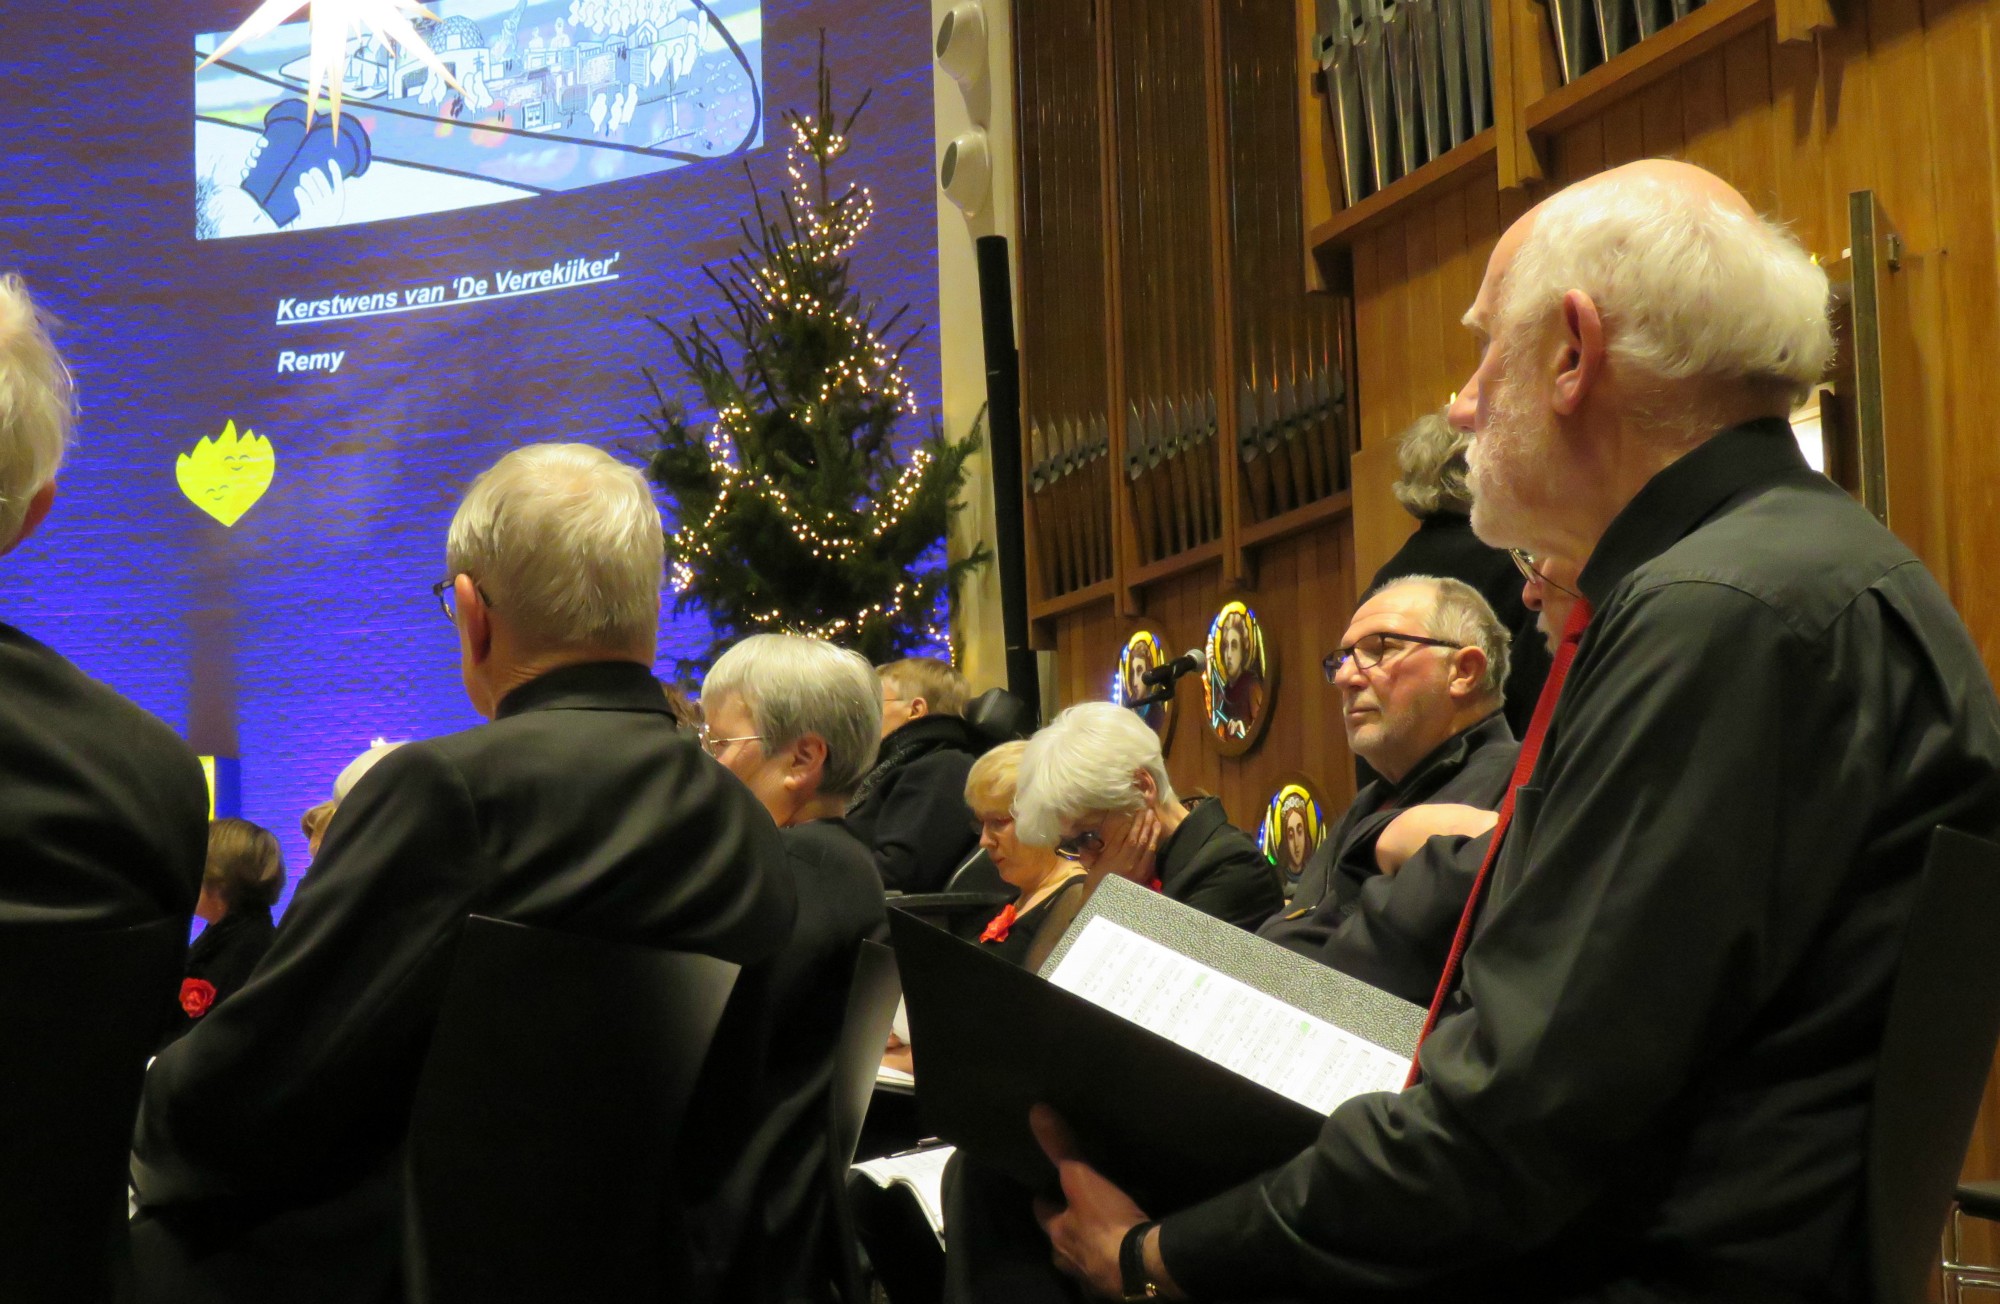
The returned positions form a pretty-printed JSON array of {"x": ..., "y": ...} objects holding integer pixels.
[
  {"x": 37, "y": 405},
  {"x": 343, "y": 783},
  {"x": 1085, "y": 760},
  {"x": 566, "y": 544},
  {"x": 793, "y": 686},
  {"x": 1687, "y": 286}
]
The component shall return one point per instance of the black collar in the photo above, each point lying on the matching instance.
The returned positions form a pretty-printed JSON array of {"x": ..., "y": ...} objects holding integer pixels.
[
  {"x": 1451, "y": 752},
  {"x": 1725, "y": 468},
  {"x": 1204, "y": 816},
  {"x": 588, "y": 686}
]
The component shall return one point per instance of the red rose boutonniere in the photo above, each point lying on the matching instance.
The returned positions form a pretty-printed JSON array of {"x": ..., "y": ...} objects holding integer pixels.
[
  {"x": 1003, "y": 923},
  {"x": 197, "y": 994}
]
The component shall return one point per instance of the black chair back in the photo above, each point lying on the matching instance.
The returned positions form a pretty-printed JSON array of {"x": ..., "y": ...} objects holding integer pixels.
[
  {"x": 1937, "y": 1048},
  {"x": 976, "y": 873},
  {"x": 871, "y": 1006},
  {"x": 1000, "y": 716},
  {"x": 541, "y": 1146},
  {"x": 962, "y": 914},
  {"x": 82, "y": 1013}
]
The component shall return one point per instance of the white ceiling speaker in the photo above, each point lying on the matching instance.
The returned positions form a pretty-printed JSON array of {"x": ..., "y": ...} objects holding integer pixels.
[
  {"x": 961, "y": 42},
  {"x": 966, "y": 170}
]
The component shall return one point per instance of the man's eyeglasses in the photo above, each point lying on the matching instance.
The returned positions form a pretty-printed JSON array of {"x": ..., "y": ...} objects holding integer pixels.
[
  {"x": 1370, "y": 650},
  {"x": 1078, "y": 845},
  {"x": 1524, "y": 562},
  {"x": 442, "y": 591},
  {"x": 713, "y": 745}
]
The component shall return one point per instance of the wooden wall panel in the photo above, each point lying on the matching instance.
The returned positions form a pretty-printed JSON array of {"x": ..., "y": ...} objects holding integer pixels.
[{"x": 1303, "y": 596}]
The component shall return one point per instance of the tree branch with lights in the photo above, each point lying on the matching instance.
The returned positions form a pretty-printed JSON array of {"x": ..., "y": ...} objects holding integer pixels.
[{"x": 795, "y": 510}]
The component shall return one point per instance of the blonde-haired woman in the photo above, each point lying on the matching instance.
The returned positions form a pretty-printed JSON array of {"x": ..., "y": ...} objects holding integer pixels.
[{"x": 1026, "y": 931}]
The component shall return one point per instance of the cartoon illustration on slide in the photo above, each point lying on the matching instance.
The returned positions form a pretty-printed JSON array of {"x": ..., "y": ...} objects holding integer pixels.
[
  {"x": 225, "y": 474},
  {"x": 542, "y": 96}
]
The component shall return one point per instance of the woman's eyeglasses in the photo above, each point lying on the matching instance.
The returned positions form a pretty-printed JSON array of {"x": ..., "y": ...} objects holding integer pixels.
[{"x": 1078, "y": 845}]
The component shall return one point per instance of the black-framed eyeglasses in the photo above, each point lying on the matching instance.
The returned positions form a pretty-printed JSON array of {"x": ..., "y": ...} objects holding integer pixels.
[
  {"x": 1369, "y": 650},
  {"x": 1524, "y": 562},
  {"x": 1078, "y": 845},
  {"x": 442, "y": 591}
]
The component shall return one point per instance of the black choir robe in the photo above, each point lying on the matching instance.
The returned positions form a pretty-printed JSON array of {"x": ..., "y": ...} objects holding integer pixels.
[
  {"x": 268, "y": 1139},
  {"x": 103, "y": 810},
  {"x": 763, "y": 1215}
]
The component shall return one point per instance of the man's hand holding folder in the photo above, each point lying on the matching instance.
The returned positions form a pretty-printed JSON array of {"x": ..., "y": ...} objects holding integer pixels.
[{"x": 1089, "y": 1228}]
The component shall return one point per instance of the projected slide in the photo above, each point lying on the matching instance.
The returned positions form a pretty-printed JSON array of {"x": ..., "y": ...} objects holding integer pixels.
[{"x": 550, "y": 95}]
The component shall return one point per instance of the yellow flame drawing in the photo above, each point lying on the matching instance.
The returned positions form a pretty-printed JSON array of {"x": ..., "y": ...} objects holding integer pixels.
[
  {"x": 332, "y": 22},
  {"x": 225, "y": 475}
]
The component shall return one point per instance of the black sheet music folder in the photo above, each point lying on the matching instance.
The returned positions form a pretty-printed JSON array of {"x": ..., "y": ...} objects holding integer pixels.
[{"x": 1171, "y": 1127}]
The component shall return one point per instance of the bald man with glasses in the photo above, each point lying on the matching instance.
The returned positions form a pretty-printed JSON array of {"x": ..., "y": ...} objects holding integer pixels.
[{"x": 1420, "y": 670}]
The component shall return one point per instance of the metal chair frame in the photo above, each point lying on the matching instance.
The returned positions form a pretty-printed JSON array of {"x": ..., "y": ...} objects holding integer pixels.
[{"x": 1957, "y": 1273}]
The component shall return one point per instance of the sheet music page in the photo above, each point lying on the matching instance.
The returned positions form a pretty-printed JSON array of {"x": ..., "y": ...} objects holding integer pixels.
[
  {"x": 920, "y": 1170},
  {"x": 1224, "y": 1020}
]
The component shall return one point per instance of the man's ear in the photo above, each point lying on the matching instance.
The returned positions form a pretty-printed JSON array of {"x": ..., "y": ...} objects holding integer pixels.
[
  {"x": 918, "y": 706},
  {"x": 475, "y": 622},
  {"x": 38, "y": 510},
  {"x": 1143, "y": 781},
  {"x": 1581, "y": 339},
  {"x": 1468, "y": 672}
]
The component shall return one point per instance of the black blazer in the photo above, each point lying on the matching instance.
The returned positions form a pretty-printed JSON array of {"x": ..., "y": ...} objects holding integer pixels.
[
  {"x": 762, "y": 1202},
  {"x": 103, "y": 809},
  {"x": 220, "y": 962},
  {"x": 580, "y": 808},
  {"x": 1215, "y": 867},
  {"x": 910, "y": 808}
]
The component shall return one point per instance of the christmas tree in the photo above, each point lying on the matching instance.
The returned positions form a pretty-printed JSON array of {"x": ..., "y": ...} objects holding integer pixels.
[{"x": 795, "y": 511}]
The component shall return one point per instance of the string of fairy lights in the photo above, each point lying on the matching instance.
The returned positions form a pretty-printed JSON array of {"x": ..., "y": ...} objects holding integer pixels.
[
  {"x": 828, "y": 227},
  {"x": 829, "y": 630}
]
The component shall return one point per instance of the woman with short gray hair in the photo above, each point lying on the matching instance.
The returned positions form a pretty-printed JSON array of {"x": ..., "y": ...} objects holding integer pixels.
[
  {"x": 798, "y": 720},
  {"x": 810, "y": 707},
  {"x": 1094, "y": 785}
]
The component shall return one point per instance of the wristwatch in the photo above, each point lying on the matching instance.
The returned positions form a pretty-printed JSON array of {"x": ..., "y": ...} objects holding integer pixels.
[{"x": 1133, "y": 1279}]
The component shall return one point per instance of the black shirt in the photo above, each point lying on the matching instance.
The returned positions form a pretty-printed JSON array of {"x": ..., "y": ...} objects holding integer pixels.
[
  {"x": 1655, "y": 1077},
  {"x": 1212, "y": 865},
  {"x": 1059, "y": 907},
  {"x": 1470, "y": 768},
  {"x": 1400, "y": 932}
]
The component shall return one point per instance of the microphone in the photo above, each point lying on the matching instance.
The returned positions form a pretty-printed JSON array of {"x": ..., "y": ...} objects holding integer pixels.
[{"x": 1190, "y": 662}]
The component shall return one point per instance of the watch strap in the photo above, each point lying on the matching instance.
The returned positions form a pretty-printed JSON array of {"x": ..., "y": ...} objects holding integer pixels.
[{"x": 1133, "y": 1279}]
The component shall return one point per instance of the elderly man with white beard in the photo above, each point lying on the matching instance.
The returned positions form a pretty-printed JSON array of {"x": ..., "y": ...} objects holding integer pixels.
[{"x": 1649, "y": 1076}]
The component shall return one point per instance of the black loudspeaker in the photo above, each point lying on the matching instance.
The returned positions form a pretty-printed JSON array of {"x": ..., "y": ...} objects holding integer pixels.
[{"x": 1003, "y": 442}]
